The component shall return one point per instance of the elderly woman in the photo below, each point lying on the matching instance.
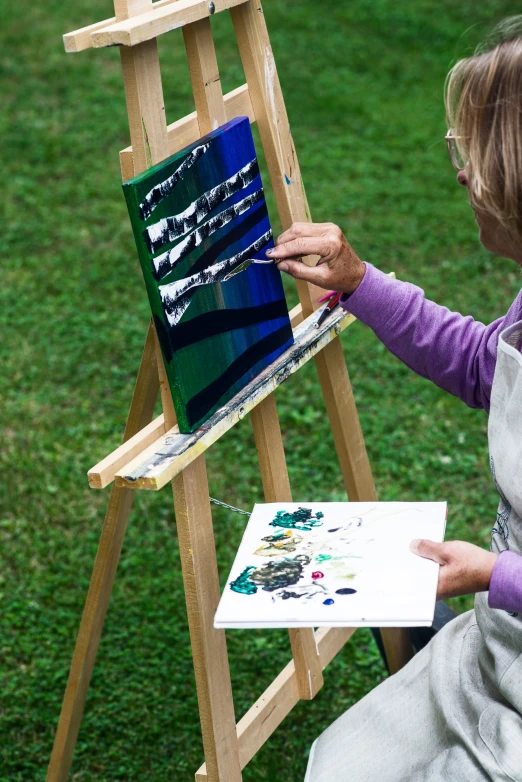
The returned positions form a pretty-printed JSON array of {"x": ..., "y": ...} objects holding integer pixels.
[{"x": 454, "y": 712}]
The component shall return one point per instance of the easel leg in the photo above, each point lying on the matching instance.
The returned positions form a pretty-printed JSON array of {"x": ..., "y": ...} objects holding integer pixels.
[
  {"x": 209, "y": 649},
  {"x": 276, "y": 485},
  {"x": 102, "y": 580},
  {"x": 355, "y": 466}
]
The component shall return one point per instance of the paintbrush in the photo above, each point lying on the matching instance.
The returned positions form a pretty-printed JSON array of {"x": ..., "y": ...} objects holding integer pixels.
[
  {"x": 243, "y": 266},
  {"x": 326, "y": 310}
]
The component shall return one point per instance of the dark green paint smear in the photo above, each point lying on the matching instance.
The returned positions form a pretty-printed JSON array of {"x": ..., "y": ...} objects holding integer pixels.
[
  {"x": 242, "y": 583},
  {"x": 302, "y": 519},
  {"x": 282, "y": 573}
]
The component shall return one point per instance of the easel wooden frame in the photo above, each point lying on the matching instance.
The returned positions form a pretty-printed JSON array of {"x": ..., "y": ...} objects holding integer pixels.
[{"x": 228, "y": 747}]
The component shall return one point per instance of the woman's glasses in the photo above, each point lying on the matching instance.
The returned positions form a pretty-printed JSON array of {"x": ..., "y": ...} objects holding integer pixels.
[{"x": 454, "y": 154}]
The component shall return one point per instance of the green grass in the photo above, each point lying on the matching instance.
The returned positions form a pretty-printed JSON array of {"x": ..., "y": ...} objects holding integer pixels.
[{"x": 363, "y": 85}]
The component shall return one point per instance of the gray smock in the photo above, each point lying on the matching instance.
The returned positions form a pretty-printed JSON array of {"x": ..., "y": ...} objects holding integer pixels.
[{"x": 454, "y": 712}]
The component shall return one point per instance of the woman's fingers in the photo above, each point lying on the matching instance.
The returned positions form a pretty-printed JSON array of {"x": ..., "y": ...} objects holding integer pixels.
[
  {"x": 429, "y": 549},
  {"x": 338, "y": 269},
  {"x": 319, "y": 275},
  {"x": 302, "y": 245},
  {"x": 303, "y": 229}
]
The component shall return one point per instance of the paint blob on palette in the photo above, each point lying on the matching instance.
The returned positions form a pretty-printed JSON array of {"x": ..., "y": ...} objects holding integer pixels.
[
  {"x": 334, "y": 564},
  {"x": 196, "y": 217}
]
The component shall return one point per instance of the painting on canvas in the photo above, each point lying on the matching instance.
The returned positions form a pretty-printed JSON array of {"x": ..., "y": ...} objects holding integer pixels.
[
  {"x": 196, "y": 217},
  {"x": 333, "y": 564}
]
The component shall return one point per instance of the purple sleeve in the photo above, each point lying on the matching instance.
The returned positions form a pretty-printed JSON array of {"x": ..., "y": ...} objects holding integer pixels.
[
  {"x": 505, "y": 588},
  {"x": 454, "y": 351}
]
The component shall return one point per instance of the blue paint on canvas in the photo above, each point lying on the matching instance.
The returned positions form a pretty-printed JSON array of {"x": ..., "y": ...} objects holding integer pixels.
[{"x": 196, "y": 217}]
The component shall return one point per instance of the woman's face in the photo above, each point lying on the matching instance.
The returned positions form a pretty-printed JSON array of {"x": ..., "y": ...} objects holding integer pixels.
[{"x": 492, "y": 234}]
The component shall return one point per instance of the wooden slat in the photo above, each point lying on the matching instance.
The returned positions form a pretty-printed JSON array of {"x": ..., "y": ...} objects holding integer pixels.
[
  {"x": 272, "y": 120},
  {"x": 296, "y": 315},
  {"x": 354, "y": 463},
  {"x": 102, "y": 474},
  {"x": 267, "y": 713},
  {"x": 192, "y": 502},
  {"x": 158, "y": 464},
  {"x": 139, "y": 433},
  {"x": 162, "y": 19},
  {"x": 204, "y": 76},
  {"x": 145, "y": 391},
  {"x": 145, "y": 106},
  {"x": 102, "y": 581},
  {"x": 276, "y": 488},
  {"x": 79, "y": 40},
  {"x": 186, "y": 130},
  {"x": 397, "y": 647},
  {"x": 344, "y": 423},
  {"x": 209, "y": 651}
]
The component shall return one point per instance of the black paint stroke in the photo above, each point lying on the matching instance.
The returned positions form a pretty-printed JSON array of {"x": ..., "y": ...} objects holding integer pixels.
[
  {"x": 165, "y": 188},
  {"x": 176, "y": 296},
  {"x": 307, "y": 338},
  {"x": 163, "y": 339},
  {"x": 201, "y": 403},
  {"x": 211, "y": 324},
  {"x": 252, "y": 218},
  {"x": 171, "y": 228},
  {"x": 169, "y": 260}
]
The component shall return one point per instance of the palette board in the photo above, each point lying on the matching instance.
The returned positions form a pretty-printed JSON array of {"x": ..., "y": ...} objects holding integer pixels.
[
  {"x": 196, "y": 217},
  {"x": 333, "y": 564}
]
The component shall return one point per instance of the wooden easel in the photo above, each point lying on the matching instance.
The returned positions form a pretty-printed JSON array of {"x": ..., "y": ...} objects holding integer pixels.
[{"x": 153, "y": 452}]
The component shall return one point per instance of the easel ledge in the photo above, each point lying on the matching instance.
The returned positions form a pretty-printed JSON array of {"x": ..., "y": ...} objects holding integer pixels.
[
  {"x": 154, "y": 466},
  {"x": 153, "y": 457}
]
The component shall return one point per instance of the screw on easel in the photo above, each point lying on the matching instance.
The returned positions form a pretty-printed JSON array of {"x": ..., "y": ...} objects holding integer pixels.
[{"x": 212, "y": 8}]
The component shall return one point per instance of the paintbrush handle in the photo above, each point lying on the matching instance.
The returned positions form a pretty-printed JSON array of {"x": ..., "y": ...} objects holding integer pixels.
[{"x": 326, "y": 310}]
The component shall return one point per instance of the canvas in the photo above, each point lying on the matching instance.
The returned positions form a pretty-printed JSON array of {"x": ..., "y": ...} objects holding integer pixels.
[
  {"x": 196, "y": 217},
  {"x": 334, "y": 564}
]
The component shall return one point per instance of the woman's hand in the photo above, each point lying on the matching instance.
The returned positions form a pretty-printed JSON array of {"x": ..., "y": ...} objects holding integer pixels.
[
  {"x": 465, "y": 568},
  {"x": 338, "y": 269}
]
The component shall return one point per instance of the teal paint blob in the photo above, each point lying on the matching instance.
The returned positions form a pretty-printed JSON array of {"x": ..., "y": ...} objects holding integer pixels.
[
  {"x": 288, "y": 182},
  {"x": 242, "y": 583},
  {"x": 323, "y": 558},
  {"x": 301, "y": 519}
]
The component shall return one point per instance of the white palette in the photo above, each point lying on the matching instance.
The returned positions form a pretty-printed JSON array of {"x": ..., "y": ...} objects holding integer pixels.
[{"x": 350, "y": 567}]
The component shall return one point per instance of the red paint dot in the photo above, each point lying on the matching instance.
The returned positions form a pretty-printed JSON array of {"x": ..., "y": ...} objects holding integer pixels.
[{"x": 317, "y": 574}]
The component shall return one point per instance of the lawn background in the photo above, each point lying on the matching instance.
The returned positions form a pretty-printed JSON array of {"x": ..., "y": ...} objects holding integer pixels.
[{"x": 363, "y": 86}]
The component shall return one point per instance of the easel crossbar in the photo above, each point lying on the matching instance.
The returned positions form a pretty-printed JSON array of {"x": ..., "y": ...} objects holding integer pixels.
[
  {"x": 162, "y": 18},
  {"x": 278, "y": 700},
  {"x": 186, "y": 130},
  {"x": 155, "y": 466}
]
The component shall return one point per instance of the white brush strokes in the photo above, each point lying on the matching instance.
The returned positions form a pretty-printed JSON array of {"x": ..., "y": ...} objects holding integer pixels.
[
  {"x": 171, "y": 228},
  {"x": 165, "y": 262},
  {"x": 175, "y": 296},
  {"x": 163, "y": 189}
]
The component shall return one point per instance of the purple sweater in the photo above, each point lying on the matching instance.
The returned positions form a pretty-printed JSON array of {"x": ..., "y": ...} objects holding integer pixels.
[{"x": 456, "y": 352}]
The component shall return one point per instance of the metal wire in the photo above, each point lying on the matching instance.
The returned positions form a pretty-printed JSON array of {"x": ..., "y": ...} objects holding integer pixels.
[{"x": 229, "y": 507}]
